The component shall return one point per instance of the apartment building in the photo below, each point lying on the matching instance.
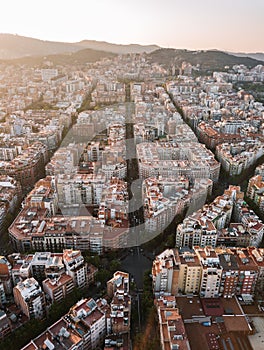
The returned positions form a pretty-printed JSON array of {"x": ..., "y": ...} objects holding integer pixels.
[
  {"x": 80, "y": 189},
  {"x": 59, "y": 271},
  {"x": 32, "y": 229},
  {"x": 190, "y": 272},
  {"x": 65, "y": 160},
  {"x": 113, "y": 163},
  {"x": 254, "y": 225},
  {"x": 168, "y": 159},
  {"x": 83, "y": 327},
  {"x": 84, "y": 131},
  {"x": 236, "y": 235},
  {"x": 93, "y": 318},
  {"x": 108, "y": 93},
  {"x": 178, "y": 131},
  {"x": 211, "y": 272},
  {"x": 257, "y": 255},
  {"x": 9, "y": 151},
  {"x": 44, "y": 195},
  {"x": 45, "y": 265},
  {"x": 5, "y": 280},
  {"x": 92, "y": 152},
  {"x": 56, "y": 289},
  {"x": 21, "y": 267},
  {"x": 113, "y": 209},
  {"x": 171, "y": 326},
  {"x": 211, "y": 224},
  {"x": 5, "y": 326},
  {"x": 165, "y": 272},
  {"x": 212, "y": 137},
  {"x": 28, "y": 167},
  {"x": 3, "y": 298},
  {"x": 117, "y": 342},
  {"x": 196, "y": 231},
  {"x": 116, "y": 134},
  {"x": 59, "y": 336},
  {"x": 10, "y": 196},
  {"x": 114, "y": 237},
  {"x": 120, "y": 281},
  {"x": 248, "y": 273},
  {"x": 29, "y": 296},
  {"x": 238, "y": 157},
  {"x": 48, "y": 73},
  {"x": 163, "y": 199},
  {"x": 75, "y": 267},
  {"x": 260, "y": 171},
  {"x": 230, "y": 274},
  {"x": 120, "y": 312},
  {"x": 255, "y": 191},
  {"x": 119, "y": 316}
]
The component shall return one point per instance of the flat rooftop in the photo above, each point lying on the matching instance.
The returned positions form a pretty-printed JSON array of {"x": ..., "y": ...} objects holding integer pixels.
[{"x": 257, "y": 340}]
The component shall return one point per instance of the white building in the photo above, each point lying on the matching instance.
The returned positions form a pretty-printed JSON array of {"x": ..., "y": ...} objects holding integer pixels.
[
  {"x": 75, "y": 266},
  {"x": 30, "y": 297},
  {"x": 47, "y": 74},
  {"x": 165, "y": 272},
  {"x": 211, "y": 272}
]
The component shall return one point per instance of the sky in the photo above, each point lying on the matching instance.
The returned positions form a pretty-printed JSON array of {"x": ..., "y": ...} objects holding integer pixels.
[{"x": 231, "y": 25}]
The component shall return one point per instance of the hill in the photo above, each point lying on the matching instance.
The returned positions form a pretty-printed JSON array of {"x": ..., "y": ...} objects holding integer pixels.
[
  {"x": 119, "y": 49},
  {"x": 208, "y": 60},
  {"x": 76, "y": 58},
  {"x": 16, "y": 46},
  {"x": 257, "y": 56},
  {"x": 34, "y": 50}
]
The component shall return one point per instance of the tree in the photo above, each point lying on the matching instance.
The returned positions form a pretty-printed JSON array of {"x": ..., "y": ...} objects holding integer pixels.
[
  {"x": 115, "y": 265},
  {"x": 94, "y": 260},
  {"x": 103, "y": 276}
]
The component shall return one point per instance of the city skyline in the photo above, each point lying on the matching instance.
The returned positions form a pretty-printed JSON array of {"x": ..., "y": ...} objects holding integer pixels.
[
  {"x": 184, "y": 25},
  {"x": 131, "y": 185}
]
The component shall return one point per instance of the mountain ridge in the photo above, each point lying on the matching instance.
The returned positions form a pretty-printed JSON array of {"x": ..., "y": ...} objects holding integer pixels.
[
  {"x": 14, "y": 46},
  {"x": 79, "y": 57},
  {"x": 118, "y": 48},
  {"x": 206, "y": 59},
  {"x": 26, "y": 49},
  {"x": 255, "y": 55}
]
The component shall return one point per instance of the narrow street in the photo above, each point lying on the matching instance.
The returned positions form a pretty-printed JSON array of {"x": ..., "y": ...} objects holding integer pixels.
[
  {"x": 135, "y": 262},
  {"x": 135, "y": 210}
]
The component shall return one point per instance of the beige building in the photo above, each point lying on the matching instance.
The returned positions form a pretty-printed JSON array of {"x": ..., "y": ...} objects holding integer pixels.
[
  {"x": 211, "y": 272},
  {"x": 190, "y": 273},
  {"x": 58, "y": 288}
]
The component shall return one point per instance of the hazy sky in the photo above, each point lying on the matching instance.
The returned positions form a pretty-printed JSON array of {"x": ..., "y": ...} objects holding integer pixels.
[{"x": 234, "y": 25}]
